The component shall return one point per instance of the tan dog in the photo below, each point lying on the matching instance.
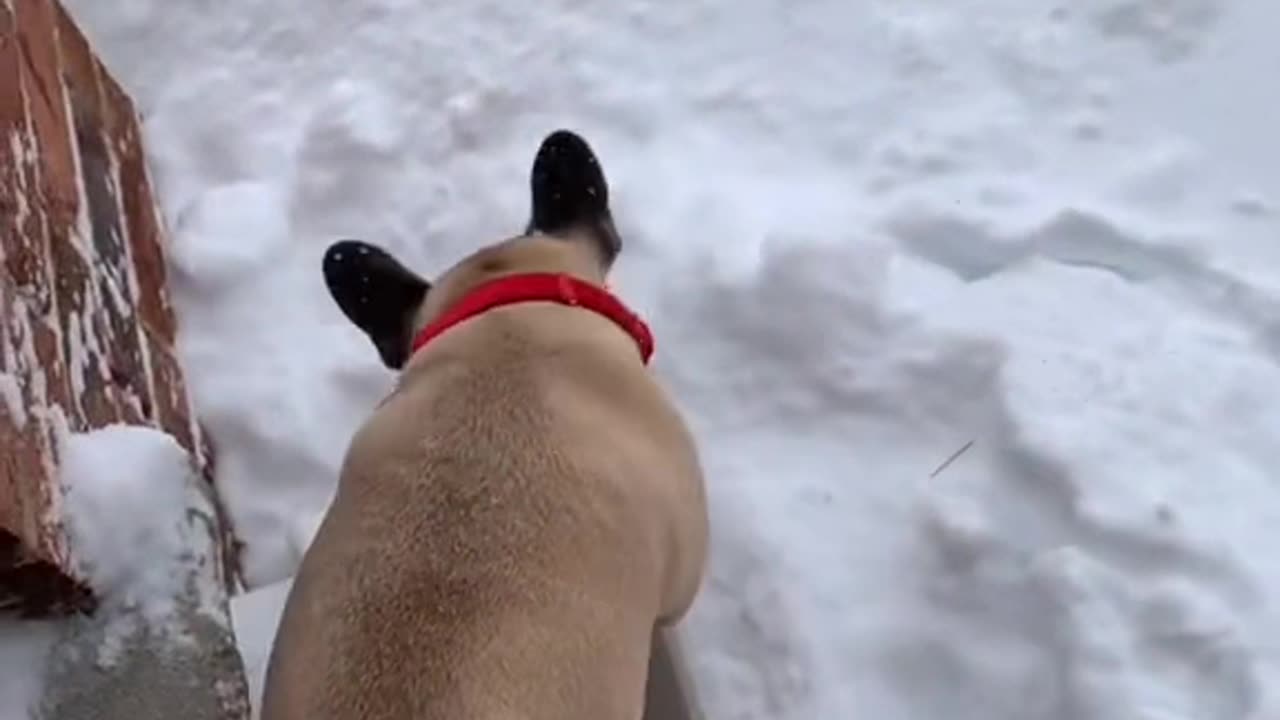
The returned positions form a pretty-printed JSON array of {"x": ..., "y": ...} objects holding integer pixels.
[{"x": 524, "y": 510}]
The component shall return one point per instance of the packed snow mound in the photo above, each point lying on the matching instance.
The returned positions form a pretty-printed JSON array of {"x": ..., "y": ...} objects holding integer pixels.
[
  {"x": 971, "y": 305},
  {"x": 140, "y": 525},
  {"x": 139, "y": 522},
  {"x": 125, "y": 501}
]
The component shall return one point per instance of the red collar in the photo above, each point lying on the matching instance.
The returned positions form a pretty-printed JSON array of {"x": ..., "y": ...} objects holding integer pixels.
[{"x": 547, "y": 287}]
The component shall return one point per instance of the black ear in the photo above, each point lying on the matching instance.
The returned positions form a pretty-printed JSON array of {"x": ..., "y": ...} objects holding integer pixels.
[
  {"x": 376, "y": 293},
  {"x": 569, "y": 192}
]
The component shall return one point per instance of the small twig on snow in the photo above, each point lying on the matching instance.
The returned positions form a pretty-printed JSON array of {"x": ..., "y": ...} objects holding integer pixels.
[{"x": 947, "y": 463}]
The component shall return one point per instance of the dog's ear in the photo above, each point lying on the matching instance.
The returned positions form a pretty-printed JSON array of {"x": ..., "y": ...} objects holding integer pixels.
[
  {"x": 377, "y": 294},
  {"x": 570, "y": 193}
]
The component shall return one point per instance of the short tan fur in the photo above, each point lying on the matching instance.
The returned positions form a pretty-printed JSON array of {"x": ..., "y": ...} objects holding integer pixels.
[{"x": 514, "y": 521}]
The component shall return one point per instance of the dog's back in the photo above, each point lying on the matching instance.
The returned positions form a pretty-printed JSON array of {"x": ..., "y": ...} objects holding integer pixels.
[{"x": 509, "y": 525}]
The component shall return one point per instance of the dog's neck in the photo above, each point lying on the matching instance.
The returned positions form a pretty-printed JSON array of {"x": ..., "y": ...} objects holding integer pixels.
[{"x": 539, "y": 287}]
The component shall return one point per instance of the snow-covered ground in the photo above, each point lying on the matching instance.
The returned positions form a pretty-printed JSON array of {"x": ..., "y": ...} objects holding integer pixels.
[{"x": 867, "y": 236}]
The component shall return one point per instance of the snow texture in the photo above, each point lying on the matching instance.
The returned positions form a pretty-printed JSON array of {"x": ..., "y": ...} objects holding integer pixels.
[
  {"x": 255, "y": 615},
  {"x": 139, "y": 523},
  {"x": 130, "y": 497},
  {"x": 24, "y": 650},
  {"x": 866, "y": 235},
  {"x": 11, "y": 396}
]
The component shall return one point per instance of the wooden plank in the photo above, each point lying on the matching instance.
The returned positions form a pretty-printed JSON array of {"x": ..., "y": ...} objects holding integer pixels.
[{"x": 86, "y": 326}]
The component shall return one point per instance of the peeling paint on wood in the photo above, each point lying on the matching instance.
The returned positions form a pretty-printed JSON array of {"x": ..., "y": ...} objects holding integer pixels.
[{"x": 86, "y": 326}]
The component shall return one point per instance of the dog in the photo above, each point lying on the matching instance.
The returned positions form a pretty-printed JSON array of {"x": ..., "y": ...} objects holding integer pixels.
[{"x": 522, "y": 519}]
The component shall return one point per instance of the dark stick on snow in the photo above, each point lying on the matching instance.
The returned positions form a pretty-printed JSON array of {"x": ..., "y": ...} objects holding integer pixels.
[{"x": 947, "y": 463}]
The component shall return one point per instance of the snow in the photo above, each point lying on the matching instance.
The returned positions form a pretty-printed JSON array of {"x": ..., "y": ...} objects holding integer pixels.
[
  {"x": 866, "y": 236},
  {"x": 142, "y": 474},
  {"x": 254, "y": 615},
  {"x": 11, "y": 396},
  {"x": 24, "y": 648},
  {"x": 139, "y": 569}
]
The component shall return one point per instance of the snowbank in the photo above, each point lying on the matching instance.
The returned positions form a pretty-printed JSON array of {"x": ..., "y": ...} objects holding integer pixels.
[{"x": 867, "y": 236}]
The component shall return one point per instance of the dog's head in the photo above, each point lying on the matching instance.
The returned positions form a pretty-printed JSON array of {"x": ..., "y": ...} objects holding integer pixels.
[{"x": 570, "y": 230}]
